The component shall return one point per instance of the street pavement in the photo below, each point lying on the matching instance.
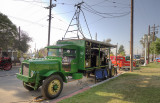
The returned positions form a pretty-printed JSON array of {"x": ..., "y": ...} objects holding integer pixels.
[{"x": 12, "y": 90}]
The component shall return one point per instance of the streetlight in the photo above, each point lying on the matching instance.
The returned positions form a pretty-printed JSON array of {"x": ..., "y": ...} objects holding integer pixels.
[{"x": 146, "y": 39}]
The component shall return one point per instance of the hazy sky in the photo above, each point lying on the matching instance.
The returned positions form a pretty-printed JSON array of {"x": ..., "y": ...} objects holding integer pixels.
[{"x": 32, "y": 17}]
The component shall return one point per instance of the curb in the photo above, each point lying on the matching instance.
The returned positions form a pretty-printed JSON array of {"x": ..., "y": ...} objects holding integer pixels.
[
  {"x": 84, "y": 89},
  {"x": 105, "y": 80}
]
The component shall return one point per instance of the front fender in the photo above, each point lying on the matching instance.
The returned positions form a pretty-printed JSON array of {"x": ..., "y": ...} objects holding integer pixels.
[{"x": 55, "y": 72}]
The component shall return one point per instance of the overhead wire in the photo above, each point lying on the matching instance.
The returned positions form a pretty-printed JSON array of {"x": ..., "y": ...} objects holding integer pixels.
[
  {"x": 99, "y": 3},
  {"x": 42, "y": 25},
  {"x": 32, "y": 2},
  {"x": 103, "y": 14},
  {"x": 114, "y": 2}
]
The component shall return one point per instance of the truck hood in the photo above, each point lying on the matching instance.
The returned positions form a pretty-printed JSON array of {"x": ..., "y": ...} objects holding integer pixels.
[{"x": 43, "y": 64}]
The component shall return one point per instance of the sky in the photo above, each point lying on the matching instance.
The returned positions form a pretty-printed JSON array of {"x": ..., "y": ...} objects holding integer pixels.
[{"x": 111, "y": 22}]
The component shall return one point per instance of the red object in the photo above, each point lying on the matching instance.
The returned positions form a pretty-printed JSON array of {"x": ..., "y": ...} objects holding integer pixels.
[
  {"x": 121, "y": 62},
  {"x": 5, "y": 63},
  {"x": 157, "y": 60}
]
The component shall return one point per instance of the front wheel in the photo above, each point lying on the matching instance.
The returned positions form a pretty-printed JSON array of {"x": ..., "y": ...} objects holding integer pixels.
[{"x": 52, "y": 87}]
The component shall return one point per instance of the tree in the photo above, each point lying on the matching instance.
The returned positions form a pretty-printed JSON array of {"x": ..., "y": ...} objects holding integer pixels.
[
  {"x": 8, "y": 32},
  {"x": 155, "y": 47},
  {"x": 42, "y": 53},
  {"x": 23, "y": 43},
  {"x": 121, "y": 50},
  {"x": 111, "y": 53},
  {"x": 107, "y": 40},
  {"x": 122, "y": 54},
  {"x": 150, "y": 39},
  {"x": 9, "y": 38}
]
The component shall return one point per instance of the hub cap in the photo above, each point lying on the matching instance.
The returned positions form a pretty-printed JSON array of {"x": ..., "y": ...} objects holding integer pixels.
[{"x": 54, "y": 87}]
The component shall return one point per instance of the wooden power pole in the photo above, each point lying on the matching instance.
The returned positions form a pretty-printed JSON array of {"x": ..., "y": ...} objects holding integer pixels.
[
  {"x": 50, "y": 17},
  {"x": 49, "y": 25},
  {"x": 148, "y": 41},
  {"x": 131, "y": 37}
]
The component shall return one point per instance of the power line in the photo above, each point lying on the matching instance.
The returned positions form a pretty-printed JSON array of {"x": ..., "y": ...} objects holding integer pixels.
[
  {"x": 99, "y": 3},
  {"x": 64, "y": 12},
  {"x": 42, "y": 25},
  {"x": 103, "y": 14},
  {"x": 31, "y": 1},
  {"x": 114, "y": 2},
  {"x": 65, "y": 4}
]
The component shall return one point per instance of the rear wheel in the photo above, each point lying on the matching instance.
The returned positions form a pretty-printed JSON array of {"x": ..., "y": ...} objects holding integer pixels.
[
  {"x": 27, "y": 87},
  {"x": 7, "y": 66},
  {"x": 52, "y": 87}
]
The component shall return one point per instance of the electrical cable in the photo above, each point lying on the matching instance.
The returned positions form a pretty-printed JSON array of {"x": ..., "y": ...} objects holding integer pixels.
[{"x": 90, "y": 9}]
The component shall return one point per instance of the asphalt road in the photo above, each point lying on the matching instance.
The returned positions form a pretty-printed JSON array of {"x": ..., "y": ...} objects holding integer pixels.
[{"x": 12, "y": 90}]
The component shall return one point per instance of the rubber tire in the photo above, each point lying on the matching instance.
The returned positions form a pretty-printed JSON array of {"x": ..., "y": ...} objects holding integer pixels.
[
  {"x": 7, "y": 64},
  {"x": 27, "y": 87},
  {"x": 45, "y": 85}
]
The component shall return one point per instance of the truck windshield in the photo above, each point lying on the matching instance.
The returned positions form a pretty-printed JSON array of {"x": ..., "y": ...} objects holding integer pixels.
[{"x": 55, "y": 52}]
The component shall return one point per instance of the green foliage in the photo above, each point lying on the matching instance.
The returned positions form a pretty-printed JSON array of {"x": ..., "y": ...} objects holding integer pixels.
[
  {"x": 24, "y": 40},
  {"x": 8, "y": 32},
  {"x": 111, "y": 53},
  {"x": 9, "y": 36},
  {"x": 150, "y": 39},
  {"x": 122, "y": 53},
  {"x": 42, "y": 52},
  {"x": 155, "y": 47},
  {"x": 121, "y": 50},
  {"x": 40, "y": 55},
  {"x": 19, "y": 54}
]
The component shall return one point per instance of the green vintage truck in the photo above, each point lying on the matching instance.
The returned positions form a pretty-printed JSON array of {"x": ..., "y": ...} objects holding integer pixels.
[{"x": 74, "y": 58}]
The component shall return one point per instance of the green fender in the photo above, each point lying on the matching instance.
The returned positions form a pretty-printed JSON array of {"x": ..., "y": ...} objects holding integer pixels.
[{"x": 55, "y": 72}]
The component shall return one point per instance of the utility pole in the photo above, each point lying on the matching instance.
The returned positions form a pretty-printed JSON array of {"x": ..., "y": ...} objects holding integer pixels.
[
  {"x": 96, "y": 37},
  {"x": 148, "y": 41},
  {"x": 49, "y": 25},
  {"x": 19, "y": 34},
  {"x": 116, "y": 55},
  {"x": 131, "y": 37},
  {"x": 155, "y": 31},
  {"x": 19, "y": 39},
  {"x": 50, "y": 17}
]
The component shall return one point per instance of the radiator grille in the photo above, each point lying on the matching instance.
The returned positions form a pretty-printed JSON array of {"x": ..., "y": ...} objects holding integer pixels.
[{"x": 26, "y": 69}]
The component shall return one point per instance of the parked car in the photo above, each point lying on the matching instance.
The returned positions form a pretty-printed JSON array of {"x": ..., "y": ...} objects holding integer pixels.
[
  {"x": 157, "y": 60},
  {"x": 142, "y": 60}
]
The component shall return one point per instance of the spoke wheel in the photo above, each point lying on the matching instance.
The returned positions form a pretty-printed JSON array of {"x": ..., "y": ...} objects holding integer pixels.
[
  {"x": 52, "y": 87},
  {"x": 7, "y": 66}
]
